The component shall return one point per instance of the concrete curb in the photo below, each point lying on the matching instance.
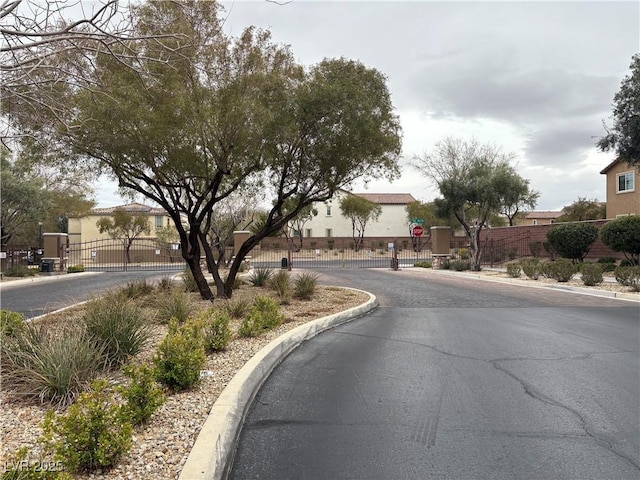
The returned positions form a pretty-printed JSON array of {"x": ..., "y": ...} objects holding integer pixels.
[
  {"x": 214, "y": 449},
  {"x": 39, "y": 279},
  {"x": 631, "y": 297}
]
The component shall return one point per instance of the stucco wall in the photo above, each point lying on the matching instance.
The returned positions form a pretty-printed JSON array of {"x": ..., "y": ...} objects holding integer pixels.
[{"x": 623, "y": 203}]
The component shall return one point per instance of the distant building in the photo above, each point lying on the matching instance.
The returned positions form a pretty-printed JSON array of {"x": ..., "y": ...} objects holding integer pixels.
[
  {"x": 542, "y": 217},
  {"x": 84, "y": 229},
  {"x": 392, "y": 221},
  {"x": 623, "y": 194}
]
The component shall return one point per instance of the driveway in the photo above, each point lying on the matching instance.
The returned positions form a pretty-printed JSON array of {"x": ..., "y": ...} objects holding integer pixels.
[{"x": 454, "y": 379}]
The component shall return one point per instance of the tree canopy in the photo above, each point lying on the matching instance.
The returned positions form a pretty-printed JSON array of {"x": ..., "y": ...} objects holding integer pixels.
[
  {"x": 583, "y": 209},
  {"x": 623, "y": 137},
  {"x": 476, "y": 182},
  {"x": 219, "y": 114},
  {"x": 125, "y": 226}
]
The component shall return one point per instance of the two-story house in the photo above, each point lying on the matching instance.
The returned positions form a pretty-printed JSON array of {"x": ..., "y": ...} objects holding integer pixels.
[{"x": 623, "y": 194}]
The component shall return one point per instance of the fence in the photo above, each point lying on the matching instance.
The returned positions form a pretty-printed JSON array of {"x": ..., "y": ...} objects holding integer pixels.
[{"x": 19, "y": 255}]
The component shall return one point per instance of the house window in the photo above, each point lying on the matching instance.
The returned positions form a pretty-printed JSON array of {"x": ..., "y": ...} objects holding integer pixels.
[
  {"x": 328, "y": 210},
  {"x": 329, "y": 233},
  {"x": 159, "y": 221},
  {"x": 534, "y": 222},
  {"x": 625, "y": 182},
  {"x": 296, "y": 233},
  {"x": 307, "y": 232}
]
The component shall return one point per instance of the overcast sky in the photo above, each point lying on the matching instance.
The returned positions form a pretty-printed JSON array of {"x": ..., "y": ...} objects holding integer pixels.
[{"x": 535, "y": 78}]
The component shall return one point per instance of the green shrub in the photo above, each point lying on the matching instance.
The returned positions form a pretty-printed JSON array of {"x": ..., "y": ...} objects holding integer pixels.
[
  {"x": 216, "y": 330},
  {"x": 561, "y": 270},
  {"x": 137, "y": 289},
  {"x": 190, "y": 284},
  {"x": 92, "y": 434},
  {"x": 51, "y": 365},
  {"x": 514, "y": 270},
  {"x": 606, "y": 260},
  {"x": 180, "y": 356},
  {"x": 572, "y": 240},
  {"x": 531, "y": 267},
  {"x": 445, "y": 264},
  {"x": 548, "y": 248},
  {"x": 264, "y": 315},
  {"x": 119, "y": 326},
  {"x": 591, "y": 274},
  {"x": 20, "y": 271},
  {"x": 75, "y": 269},
  {"x": 237, "y": 308},
  {"x": 423, "y": 264},
  {"x": 608, "y": 267},
  {"x": 623, "y": 235},
  {"x": 629, "y": 277},
  {"x": 626, "y": 263},
  {"x": 142, "y": 395},
  {"x": 281, "y": 283},
  {"x": 535, "y": 247},
  {"x": 20, "y": 466},
  {"x": 460, "y": 265},
  {"x": 304, "y": 285},
  {"x": 464, "y": 253},
  {"x": 174, "y": 304},
  {"x": 11, "y": 323},
  {"x": 260, "y": 276}
]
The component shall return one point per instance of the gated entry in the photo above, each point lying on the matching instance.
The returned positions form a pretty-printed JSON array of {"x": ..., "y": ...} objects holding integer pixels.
[{"x": 117, "y": 255}]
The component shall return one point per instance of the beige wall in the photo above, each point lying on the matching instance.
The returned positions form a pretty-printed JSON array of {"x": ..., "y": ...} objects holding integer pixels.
[
  {"x": 623, "y": 203},
  {"x": 85, "y": 230}
]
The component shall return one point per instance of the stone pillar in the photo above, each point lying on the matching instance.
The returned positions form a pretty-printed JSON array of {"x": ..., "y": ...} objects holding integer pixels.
[{"x": 239, "y": 237}]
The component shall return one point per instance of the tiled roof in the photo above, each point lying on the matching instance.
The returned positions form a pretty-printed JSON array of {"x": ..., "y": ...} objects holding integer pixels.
[
  {"x": 544, "y": 214},
  {"x": 131, "y": 208},
  {"x": 388, "y": 198},
  {"x": 613, "y": 164}
]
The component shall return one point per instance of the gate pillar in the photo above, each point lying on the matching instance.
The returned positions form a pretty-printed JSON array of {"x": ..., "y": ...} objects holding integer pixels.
[{"x": 55, "y": 250}]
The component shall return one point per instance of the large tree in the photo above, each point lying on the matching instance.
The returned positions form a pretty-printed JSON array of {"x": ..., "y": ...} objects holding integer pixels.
[
  {"x": 475, "y": 181},
  {"x": 219, "y": 114},
  {"x": 360, "y": 211},
  {"x": 623, "y": 137}
]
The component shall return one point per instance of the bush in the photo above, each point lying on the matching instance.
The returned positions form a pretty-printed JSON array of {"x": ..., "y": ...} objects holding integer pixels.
[
  {"x": 75, "y": 269},
  {"x": 51, "y": 365},
  {"x": 572, "y": 240},
  {"x": 20, "y": 271},
  {"x": 606, "y": 260},
  {"x": 137, "y": 289},
  {"x": 535, "y": 247},
  {"x": 175, "y": 304},
  {"x": 629, "y": 277},
  {"x": 445, "y": 264},
  {"x": 118, "y": 326},
  {"x": 514, "y": 270},
  {"x": 92, "y": 434},
  {"x": 237, "y": 308},
  {"x": 626, "y": 263},
  {"x": 304, "y": 285},
  {"x": 142, "y": 395},
  {"x": 180, "y": 356},
  {"x": 561, "y": 270},
  {"x": 216, "y": 330},
  {"x": 548, "y": 247},
  {"x": 264, "y": 315},
  {"x": 423, "y": 264},
  {"x": 591, "y": 274},
  {"x": 166, "y": 283},
  {"x": 460, "y": 265},
  {"x": 11, "y": 323},
  {"x": 190, "y": 284},
  {"x": 281, "y": 283},
  {"x": 260, "y": 276},
  {"x": 531, "y": 267},
  {"x": 623, "y": 235}
]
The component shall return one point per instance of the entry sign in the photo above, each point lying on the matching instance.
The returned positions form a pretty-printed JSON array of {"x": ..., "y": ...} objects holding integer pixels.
[{"x": 418, "y": 231}]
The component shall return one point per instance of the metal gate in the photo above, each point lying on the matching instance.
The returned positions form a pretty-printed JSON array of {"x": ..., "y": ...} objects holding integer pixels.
[{"x": 121, "y": 255}]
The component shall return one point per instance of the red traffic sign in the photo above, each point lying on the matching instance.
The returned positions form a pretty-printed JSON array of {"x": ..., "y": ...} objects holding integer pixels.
[{"x": 417, "y": 231}]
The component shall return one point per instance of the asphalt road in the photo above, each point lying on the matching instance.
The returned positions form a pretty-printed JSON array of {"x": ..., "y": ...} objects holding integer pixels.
[
  {"x": 44, "y": 295},
  {"x": 454, "y": 379}
]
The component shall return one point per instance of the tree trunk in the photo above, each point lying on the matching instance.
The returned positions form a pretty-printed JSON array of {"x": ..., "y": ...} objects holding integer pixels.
[
  {"x": 198, "y": 276},
  {"x": 213, "y": 267}
]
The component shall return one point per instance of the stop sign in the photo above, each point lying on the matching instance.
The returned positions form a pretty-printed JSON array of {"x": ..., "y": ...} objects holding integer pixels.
[{"x": 417, "y": 231}]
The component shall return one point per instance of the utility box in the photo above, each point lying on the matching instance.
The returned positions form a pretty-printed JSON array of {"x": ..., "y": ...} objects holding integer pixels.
[
  {"x": 47, "y": 265},
  {"x": 441, "y": 240}
]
